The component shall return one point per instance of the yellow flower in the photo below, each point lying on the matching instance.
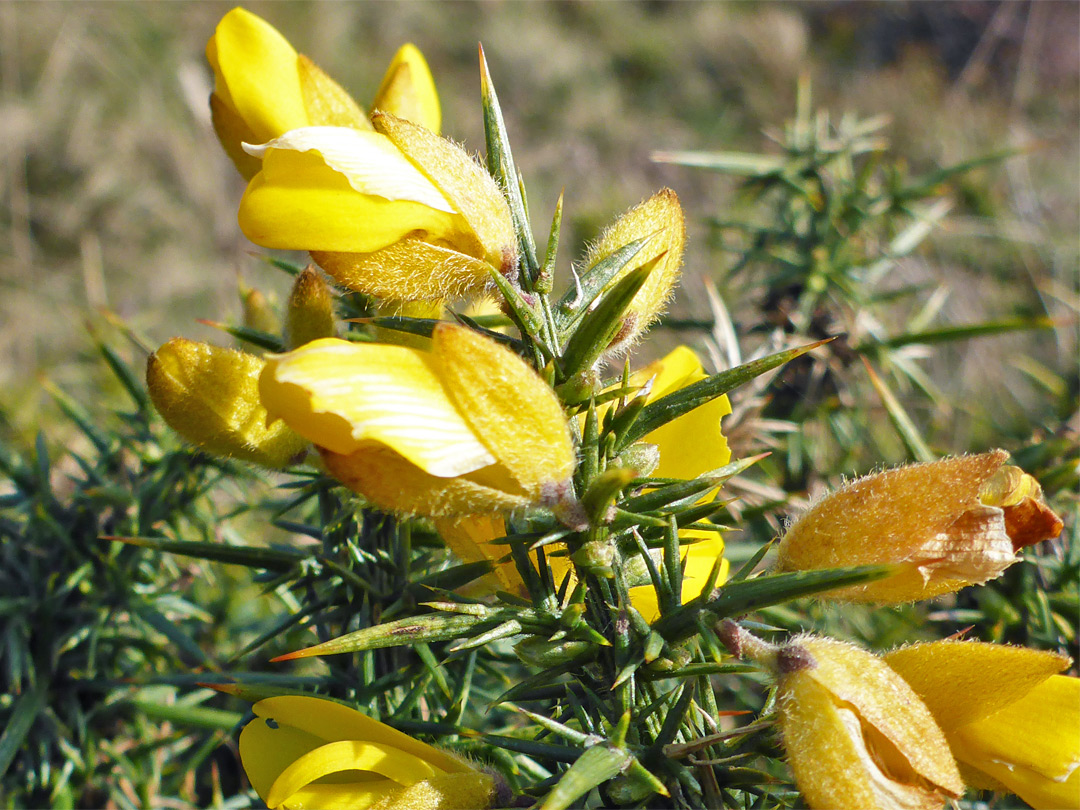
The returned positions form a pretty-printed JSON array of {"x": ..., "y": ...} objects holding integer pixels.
[
  {"x": 467, "y": 428},
  {"x": 1013, "y": 724},
  {"x": 304, "y": 752},
  {"x": 399, "y": 213},
  {"x": 856, "y": 735},
  {"x": 947, "y": 524},
  {"x": 209, "y": 395},
  {"x": 689, "y": 446},
  {"x": 661, "y": 218},
  {"x": 263, "y": 88}
]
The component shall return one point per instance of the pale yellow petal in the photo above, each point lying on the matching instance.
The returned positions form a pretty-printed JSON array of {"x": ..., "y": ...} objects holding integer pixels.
[
  {"x": 510, "y": 408},
  {"x": 297, "y": 202},
  {"x": 326, "y": 101},
  {"x": 340, "y": 394},
  {"x": 368, "y": 160},
  {"x": 256, "y": 73}
]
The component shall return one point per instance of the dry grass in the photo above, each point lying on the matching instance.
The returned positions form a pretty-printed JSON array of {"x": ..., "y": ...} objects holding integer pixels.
[{"x": 113, "y": 192}]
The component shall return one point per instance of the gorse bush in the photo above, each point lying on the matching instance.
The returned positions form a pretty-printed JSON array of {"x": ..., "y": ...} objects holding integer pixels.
[{"x": 502, "y": 576}]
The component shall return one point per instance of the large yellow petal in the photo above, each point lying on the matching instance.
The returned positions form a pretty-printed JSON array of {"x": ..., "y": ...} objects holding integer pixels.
[
  {"x": 692, "y": 444},
  {"x": 333, "y": 721},
  {"x": 339, "y": 189},
  {"x": 965, "y": 681},
  {"x": 349, "y": 755},
  {"x": 1033, "y": 745},
  {"x": 256, "y": 73},
  {"x": 340, "y": 395},
  {"x": 510, "y": 408},
  {"x": 699, "y": 557},
  {"x": 268, "y": 748},
  {"x": 408, "y": 90}
]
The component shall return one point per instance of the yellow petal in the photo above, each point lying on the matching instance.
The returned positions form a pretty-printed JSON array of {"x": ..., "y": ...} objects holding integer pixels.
[
  {"x": 349, "y": 755},
  {"x": 256, "y": 74},
  {"x": 964, "y": 681},
  {"x": 344, "y": 795},
  {"x": 268, "y": 748},
  {"x": 699, "y": 556},
  {"x": 338, "y": 189},
  {"x": 408, "y": 90},
  {"x": 209, "y": 395},
  {"x": 692, "y": 444},
  {"x": 1034, "y": 740},
  {"x": 340, "y": 394},
  {"x": 233, "y": 132},
  {"x": 510, "y": 408},
  {"x": 470, "y": 539},
  {"x": 334, "y": 722}
]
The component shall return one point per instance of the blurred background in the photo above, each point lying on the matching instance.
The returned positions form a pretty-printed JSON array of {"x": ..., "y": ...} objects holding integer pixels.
[{"x": 115, "y": 196}]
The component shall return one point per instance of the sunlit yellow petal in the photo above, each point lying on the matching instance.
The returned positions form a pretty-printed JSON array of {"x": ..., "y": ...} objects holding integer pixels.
[
  {"x": 514, "y": 412},
  {"x": 699, "y": 556},
  {"x": 256, "y": 74},
  {"x": 408, "y": 90},
  {"x": 965, "y": 681},
  {"x": 333, "y": 722},
  {"x": 344, "y": 795},
  {"x": 341, "y": 394},
  {"x": 368, "y": 160}
]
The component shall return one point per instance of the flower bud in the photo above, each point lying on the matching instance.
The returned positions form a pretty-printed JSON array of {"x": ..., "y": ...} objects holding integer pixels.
[
  {"x": 301, "y": 752},
  {"x": 948, "y": 524},
  {"x": 661, "y": 218},
  {"x": 257, "y": 312},
  {"x": 855, "y": 733},
  {"x": 210, "y": 396},
  {"x": 310, "y": 314}
]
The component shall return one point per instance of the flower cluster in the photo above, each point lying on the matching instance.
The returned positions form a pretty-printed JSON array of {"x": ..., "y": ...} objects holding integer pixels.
[{"x": 579, "y": 505}]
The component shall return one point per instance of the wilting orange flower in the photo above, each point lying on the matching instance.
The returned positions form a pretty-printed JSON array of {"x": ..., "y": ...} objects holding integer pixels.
[{"x": 946, "y": 524}]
